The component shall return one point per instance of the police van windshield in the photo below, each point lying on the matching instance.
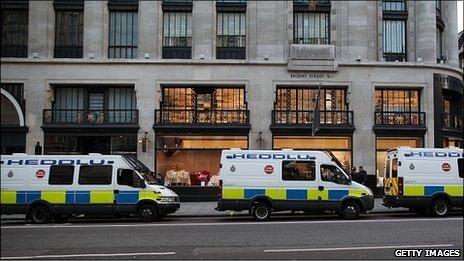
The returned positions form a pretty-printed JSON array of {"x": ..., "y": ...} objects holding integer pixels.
[
  {"x": 146, "y": 173},
  {"x": 334, "y": 159}
]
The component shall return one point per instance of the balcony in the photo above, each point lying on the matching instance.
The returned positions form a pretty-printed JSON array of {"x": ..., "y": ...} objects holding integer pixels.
[
  {"x": 90, "y": 118},
  {"x": 14, "y": 50},
  {"x": 302, "y": 120},
  {"x": 68, "y": 51},
  {"x": 185, "y": 119},
  {"x": 451, "y": 121},
  {"x": 393, "y": 57},
  {"x": 399, "y": 122},
  {"x": 174, "y": 52},
  {"x": 237, "y": 53}
]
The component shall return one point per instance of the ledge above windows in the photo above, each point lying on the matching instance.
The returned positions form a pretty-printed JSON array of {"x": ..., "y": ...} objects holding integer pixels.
[
  {"x": 312, "y": 58},
  {"x": 177, "y": 5},
  {"x": 231, "y": 5}
]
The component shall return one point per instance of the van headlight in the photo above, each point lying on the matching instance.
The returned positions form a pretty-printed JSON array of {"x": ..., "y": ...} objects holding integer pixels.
[{"x": 169, "y": 199}]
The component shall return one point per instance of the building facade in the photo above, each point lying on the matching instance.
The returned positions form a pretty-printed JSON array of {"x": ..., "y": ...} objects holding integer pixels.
[{"x": 176, "y": 81}]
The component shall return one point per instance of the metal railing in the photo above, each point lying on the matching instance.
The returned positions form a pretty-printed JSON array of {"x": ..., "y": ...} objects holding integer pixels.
[
  {"x": 392, "y": 57},
  {"x": 230, "y": 53},
  {"x": 171, "y": 52},
  {"x": 451, "y": 121},
  {"x": 332, "y": 118},
  {"x": 184, "y": 116},
  {"x": 399, "y": 118},
  {"x": 68, "y": 51},
  {"x": 90, "y": 117}
]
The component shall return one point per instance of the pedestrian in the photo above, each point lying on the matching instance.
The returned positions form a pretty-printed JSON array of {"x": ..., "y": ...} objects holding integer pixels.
[
  {"x": 362, "y": 175},
  {"x": 353, "y": 173}
]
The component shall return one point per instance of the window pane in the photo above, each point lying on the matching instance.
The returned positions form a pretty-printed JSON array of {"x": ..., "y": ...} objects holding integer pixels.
[
  {"x": 299, "y": 170},
  {"x": 95, "y": 175},
  {"x": 394, "y": 39},
  {"x": 14, "y": 32},
  {"x": 123, "y": 34},
  {"x": 231, "y": 29},
  {"x": 311, "y": 28},
  {"x": 177, "y": 29},
  {"x": 68, "y": 34},
  {"x": 61, "y": 175}
]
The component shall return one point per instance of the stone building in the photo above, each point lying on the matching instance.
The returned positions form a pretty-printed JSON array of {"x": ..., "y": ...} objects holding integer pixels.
[{"x": 175, "y": 81}]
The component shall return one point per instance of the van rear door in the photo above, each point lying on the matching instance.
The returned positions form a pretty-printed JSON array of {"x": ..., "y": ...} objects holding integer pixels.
[{"x": 391, "y": 184}]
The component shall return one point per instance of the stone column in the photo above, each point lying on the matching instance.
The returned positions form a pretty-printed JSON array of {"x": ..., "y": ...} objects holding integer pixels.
[
  {"x": 426, "y": 31},
  {"x": 203, "y": 26},
  {"x": 450, "y": 34},
  {"x": 40, "y": 27},
  {"x": 147, "y": 29},
  {"x": 95, "y": 22}
]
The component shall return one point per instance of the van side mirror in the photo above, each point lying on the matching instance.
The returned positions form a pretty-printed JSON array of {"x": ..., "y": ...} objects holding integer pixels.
[{"x": 142, "y": 183}]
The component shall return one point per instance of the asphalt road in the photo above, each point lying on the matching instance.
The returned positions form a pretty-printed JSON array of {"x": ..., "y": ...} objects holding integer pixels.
[{"x": 285, "y": 237}]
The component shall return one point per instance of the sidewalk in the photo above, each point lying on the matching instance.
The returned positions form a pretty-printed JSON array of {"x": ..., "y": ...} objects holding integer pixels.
[{"x": 207, "y": 209}]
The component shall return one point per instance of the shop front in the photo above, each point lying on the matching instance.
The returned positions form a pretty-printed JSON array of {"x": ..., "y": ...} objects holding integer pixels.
[{"x": 193, "y": 125}]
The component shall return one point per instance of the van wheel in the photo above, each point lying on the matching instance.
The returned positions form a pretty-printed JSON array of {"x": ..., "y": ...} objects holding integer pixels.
[
  {"x": 39, "y": 215},
  {"x": 147, "y": 213},
  {"x": 440, "y": 208},
  {"x": 350, "y": 210},
  {"x": 261, "y": 212}
]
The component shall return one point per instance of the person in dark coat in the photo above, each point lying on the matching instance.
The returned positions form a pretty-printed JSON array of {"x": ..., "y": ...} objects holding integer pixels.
[{"x": 362, "y": 176}]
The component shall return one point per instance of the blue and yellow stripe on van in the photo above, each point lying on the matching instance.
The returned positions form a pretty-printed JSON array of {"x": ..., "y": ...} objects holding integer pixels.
[
  {"x": 428, "y": 190},
  {"x": 238, "y": 193},
  {"x": 75, "y": 197}
]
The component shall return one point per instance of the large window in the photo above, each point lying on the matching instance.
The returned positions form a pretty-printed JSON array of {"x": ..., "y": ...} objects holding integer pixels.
[
  {"x": 69, "y": 30},
  {"x": 61, "y": 175},
  {"x": 177, "y": 35},
  {"x": 203, "y": 105},
  {"x": 299, "y": 170},
  {"x": 383, "y": 144},
  {"x": 395, "y": 16},
  {"x": 95, "y": 175},
  {"x": 14, "y": 30},
  {"x": 123, "y": 34},
  {"x": 187, "y": 160},
  {"x": 93, "y": 105},
  {"x": 398, "y": 107},
  {"x": 231, "y": 37},
  {"x": 397, "y": 100},
  {"x": 311, "y": 28},
  {"x": 296, "y": 106}
]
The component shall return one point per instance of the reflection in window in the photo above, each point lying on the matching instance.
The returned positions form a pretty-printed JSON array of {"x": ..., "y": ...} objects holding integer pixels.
[
  {"x": 298, "y": 170},
  {"x": 333, "y": 174},
  {"x": 14, "y": 32},
  {"x": 69, "y": 29}
]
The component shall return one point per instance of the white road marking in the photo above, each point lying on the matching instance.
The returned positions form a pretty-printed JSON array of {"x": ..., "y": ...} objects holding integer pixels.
[
  {"x": 352, "y": 248},
  {"x": 234, "y": 223},
  {"x": 90, "y": 255}
]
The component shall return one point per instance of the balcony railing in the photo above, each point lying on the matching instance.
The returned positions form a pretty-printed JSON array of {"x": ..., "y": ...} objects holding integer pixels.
[
  {"x": 400, "y": 118},
  {"x": 171, "y": 52},
  {"x": 68, "y": 51},
  {"x": 451, "y": 121},
  {"x": 220, "y": 117},
  {"x": 90, "y": 117},
  {"x": 238, "y": 53},
  {"x": 392, "y": 57},
  {"x": 301, "y": 117},
  {"x": 14, "y": 50}
]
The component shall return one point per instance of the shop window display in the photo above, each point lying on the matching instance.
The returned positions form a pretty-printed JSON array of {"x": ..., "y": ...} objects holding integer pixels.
[{"x": 193, "y": 160}]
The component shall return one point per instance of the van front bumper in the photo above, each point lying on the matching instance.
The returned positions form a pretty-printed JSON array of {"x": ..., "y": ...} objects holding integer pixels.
[{"x": 165, "y": 209}]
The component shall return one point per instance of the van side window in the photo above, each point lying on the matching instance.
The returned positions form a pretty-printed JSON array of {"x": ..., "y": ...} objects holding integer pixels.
[
  {"x": 95, "y": 175},
  {"x": 61, "y": 175},
  {"x": 333, "y": 174},
  {"x": 129, "y": 178},
  {"x": 298, "y": 170},
  {"x": 394, "y": 168},
  {"x": 461, "y": 167}
]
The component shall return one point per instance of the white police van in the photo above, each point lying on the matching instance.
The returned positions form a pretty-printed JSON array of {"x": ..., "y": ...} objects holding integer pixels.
[
  {"x": 264, "y": 181},
  {"x": 425, "y": 180},
  {"x": 46, "y": 187}
]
